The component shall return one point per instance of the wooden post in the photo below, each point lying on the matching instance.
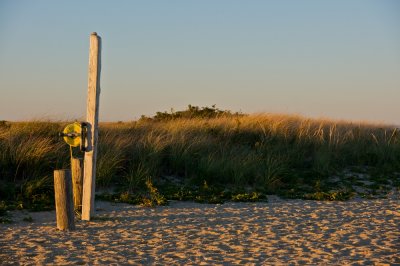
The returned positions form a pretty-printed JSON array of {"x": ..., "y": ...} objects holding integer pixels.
[
  {"x": 63, "y": 198},
  {"x": 77, "y": 182},
  {"x": 92, "y": 115}
]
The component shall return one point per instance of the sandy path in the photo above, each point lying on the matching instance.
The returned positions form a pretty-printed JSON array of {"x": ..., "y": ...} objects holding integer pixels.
[{"x": 277, "y": 232}]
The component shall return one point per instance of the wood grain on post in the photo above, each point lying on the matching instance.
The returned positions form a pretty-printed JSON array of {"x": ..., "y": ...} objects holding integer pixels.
[
  {"x": 63, "y": 198},
  {"x": 77, "y": 182},
  {"x": 92, "y": 116}
]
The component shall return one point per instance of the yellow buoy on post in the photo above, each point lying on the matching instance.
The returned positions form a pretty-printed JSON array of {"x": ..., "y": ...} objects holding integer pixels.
[
  {"x": 72, "y": 134},
  {"x": 85, "y": 135},
  {"x": 75, "y": 135}
]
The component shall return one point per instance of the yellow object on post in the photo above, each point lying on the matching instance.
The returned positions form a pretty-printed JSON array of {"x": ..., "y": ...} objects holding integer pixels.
[{"x": 72, "y": 134}]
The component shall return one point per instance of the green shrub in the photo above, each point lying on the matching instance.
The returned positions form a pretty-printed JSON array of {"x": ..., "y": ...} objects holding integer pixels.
[
  {"x": 330, "y": 196},
  {"x": 249, "y": 197}
]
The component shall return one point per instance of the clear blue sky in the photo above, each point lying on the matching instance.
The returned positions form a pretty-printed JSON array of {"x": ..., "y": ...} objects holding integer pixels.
[{"x": 338, "y": 59}]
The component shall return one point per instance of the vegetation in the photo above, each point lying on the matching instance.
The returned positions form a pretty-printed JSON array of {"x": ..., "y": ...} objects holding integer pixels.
[
  {"x": 191, "y": 112},
  {"x": 206, "y": 155}
]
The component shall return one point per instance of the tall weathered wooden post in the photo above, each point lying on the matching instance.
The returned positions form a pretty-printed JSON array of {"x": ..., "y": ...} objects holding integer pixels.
[{"x": 92, "y": 115}]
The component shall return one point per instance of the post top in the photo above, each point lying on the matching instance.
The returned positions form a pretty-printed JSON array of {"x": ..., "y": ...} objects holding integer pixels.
[{"x": 94, "y": 33}]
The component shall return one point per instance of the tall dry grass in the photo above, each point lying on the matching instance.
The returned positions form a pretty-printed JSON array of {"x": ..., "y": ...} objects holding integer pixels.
[
  {"x": 270, "y": 152},
  {"x": 267, "y": 151}
]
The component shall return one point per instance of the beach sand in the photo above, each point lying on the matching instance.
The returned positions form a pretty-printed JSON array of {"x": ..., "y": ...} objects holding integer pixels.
[{"x": 278, "y": 232}]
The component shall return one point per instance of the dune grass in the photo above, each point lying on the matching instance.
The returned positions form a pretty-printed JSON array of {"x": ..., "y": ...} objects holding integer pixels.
[{"x": 206, "y": 157}]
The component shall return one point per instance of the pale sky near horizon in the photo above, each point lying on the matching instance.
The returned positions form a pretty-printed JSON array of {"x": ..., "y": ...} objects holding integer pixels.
[{"x": 335, "y": 59}]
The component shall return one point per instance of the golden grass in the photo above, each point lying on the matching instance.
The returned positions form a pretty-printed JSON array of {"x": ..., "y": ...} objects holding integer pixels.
[{"x": 269, "y": 151}]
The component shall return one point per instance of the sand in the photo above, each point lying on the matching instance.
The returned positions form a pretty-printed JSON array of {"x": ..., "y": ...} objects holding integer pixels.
[{"x": 280, "y": 232}]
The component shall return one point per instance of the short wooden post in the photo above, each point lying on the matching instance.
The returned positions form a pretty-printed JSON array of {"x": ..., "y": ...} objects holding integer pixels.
[
  {"x": 63, "y": 198},
  {"x": 92, "y": 116},
  {"x": 77, "y": 182}
]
